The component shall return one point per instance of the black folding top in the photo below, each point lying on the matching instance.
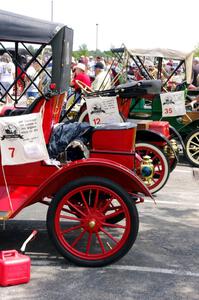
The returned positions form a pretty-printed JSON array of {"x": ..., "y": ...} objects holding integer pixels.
[{"x": 14, "y": 27}]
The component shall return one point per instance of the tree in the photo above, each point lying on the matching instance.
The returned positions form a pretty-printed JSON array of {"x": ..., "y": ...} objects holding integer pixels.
[
  {"x": 83, "y": 50},
  {"x": 196, "y": 52}
]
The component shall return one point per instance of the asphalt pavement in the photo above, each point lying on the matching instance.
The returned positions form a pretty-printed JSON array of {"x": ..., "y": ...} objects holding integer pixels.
[{"x": 163, "y": 263}]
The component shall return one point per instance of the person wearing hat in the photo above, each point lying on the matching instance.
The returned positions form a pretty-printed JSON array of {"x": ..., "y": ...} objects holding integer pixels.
[
  {"x": 80, "y": 75},
  {"x": 102, "y": 78}
]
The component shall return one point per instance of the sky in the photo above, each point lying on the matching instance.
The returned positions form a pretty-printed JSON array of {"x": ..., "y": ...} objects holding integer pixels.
[{"x": 135, "y": 23}]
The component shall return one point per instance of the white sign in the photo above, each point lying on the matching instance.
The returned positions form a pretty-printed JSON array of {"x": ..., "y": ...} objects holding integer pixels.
[
  {"x": 173, "y": 104},
  {"x": 22, "y": 140},
  {"x": 103, "y": 110}
]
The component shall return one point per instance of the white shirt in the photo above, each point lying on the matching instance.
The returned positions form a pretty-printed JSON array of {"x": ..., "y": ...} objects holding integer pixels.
[
  {"x": 102, "y": 82},
  {"x": 32, "y": 73},
  {"x": 6, "y": 72}
]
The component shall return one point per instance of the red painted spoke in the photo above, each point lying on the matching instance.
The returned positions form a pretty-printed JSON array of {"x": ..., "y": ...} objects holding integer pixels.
[
  {"x": 115, "y": 214},
  {"x": 84, "y": 200},
  {"x": 96, "y": 199},
  {"x": 78, "y": 238},
  {"x": 70, "y": 218},
  {"x": 88, "y": 243},
  {"x": 71, "y": 229},
  {"x": 106, "y": 205},
  {"x": 113, "y": 225},
  {"x": 77, "y": 209},
  {"x": 100, "y": 242},
  {"x": 69, "y": 211},
  {"x": 116, "y": 207},
  {"x": 109, "y": 235}
]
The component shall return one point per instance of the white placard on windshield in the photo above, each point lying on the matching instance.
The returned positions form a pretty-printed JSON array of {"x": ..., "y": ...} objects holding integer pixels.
[
  {"x": 103, "y": 110},
  {"x": 173, "y": 104}
]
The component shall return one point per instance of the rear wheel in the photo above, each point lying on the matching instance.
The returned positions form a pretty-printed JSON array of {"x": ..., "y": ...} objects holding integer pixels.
[
  {"x": 79, "y": 221},
  {"x": 192, "y": 148},
  {"x": 160, "y": 164}
]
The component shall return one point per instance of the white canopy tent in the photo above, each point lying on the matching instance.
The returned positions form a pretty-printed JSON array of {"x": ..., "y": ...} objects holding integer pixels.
[{"x": 168, "y": 54}]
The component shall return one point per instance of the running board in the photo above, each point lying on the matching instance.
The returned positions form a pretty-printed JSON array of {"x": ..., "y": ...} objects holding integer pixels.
[{"x": 4, "y": 215}]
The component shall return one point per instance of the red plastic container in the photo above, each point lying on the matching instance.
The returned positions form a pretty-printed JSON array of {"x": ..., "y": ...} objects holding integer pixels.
[{"x": 14, "y": 268}]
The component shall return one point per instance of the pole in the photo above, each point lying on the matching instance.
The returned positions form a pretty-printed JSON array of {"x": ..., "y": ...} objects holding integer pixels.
[
  {"x": 97, "y": 36},
  {"x": 52, "y": 10}
]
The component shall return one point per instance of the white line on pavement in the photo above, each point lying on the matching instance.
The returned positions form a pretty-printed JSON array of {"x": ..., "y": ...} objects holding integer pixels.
[
  {"x": 154, "y": 270},
  {"x": 184, "y": 171},
  {"x": 183, "y": 273},
  {"x": 172, "y": 202}
]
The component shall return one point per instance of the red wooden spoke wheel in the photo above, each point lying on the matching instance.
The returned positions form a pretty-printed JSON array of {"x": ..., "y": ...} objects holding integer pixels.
[
  {"x": 79, "y": 221},
  {"x": 160, "y": 164}
]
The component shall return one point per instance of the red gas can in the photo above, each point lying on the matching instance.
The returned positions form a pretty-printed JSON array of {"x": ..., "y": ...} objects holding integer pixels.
[{"x": 14, "y": 268}]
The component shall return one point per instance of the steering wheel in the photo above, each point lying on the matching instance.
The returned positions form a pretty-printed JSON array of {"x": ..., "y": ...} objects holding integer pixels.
[{"x": 87, "y": 89}]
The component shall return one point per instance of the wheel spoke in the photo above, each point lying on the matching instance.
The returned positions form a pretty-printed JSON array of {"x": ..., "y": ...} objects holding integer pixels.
[
  {"x": 192, "y": 142},
  {"x": 106, "y": 205},
  {"x": 88, "y": 243},
  {"x": 69, "y": 211},
  {"x": 70, "y": 218},
  {"x": 78, "y": 238},
  {"x": 77, "y": 209},
  {"x": 113, "y": 225},
  {"x": 109, "y": 235},
  {"x": 195, "y": 153},
  {"x": 85, "y": 202},
  {"x": 115, "y": 214},
  {"x": 197, "y": 138},
  {"x": 100, "y": 242},
  {"x": 96, "y": 199},
  {"x": 71, "y": 229}
]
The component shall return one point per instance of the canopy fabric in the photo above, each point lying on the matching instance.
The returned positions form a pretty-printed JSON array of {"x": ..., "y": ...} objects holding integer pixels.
[
  {"x": 169, "y": 54},
  {"x": 14, "y": 27}
]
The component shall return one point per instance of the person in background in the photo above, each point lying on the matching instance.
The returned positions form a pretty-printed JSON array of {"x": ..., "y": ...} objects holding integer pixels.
[
  {"x": 80, "y": 75},
  {"x": 7, "y": 75},
  {"x": 32, "y": 72},
  {"x": 102, "y": 80},
  {"x": 195, "y": 71}
]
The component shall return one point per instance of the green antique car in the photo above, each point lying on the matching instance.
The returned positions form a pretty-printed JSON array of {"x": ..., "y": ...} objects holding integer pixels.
[{"x": 177, "y": 104}]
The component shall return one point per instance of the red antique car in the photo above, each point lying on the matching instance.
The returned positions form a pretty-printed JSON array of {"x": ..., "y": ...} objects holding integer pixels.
[{"x": 92, "y": 217}]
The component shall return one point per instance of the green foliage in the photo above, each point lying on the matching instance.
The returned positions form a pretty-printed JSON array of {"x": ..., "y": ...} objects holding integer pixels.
[
  {"x": 31, "y": 49},
  {"x": 83, "y": 50},
  {"x": 196, "y": 52}
]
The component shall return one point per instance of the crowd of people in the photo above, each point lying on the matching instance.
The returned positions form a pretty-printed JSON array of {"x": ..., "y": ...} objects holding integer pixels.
[
  {"x": 30, "y": 82},
  {"x": 88, "y": 73}
]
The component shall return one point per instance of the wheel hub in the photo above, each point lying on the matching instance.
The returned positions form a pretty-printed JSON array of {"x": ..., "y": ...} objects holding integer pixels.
[
  {"x": 93, "y": 221},
  {"x": 92, "y": 224}
]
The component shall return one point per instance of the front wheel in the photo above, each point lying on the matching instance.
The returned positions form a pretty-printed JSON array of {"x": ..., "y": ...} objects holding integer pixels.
[
  {"x": 192, "y": 148},
  {"x": 79, "y": 221},
  {"x": 160, "y": 165}
]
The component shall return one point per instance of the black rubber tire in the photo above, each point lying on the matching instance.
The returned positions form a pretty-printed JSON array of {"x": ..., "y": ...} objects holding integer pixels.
[
  {"x": 190, "y": 137},
  {"x": 134, "y": 224}
]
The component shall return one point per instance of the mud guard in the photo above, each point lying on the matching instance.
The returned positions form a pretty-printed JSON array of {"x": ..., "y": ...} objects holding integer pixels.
[
  {"x": 189, "y": 127},
  {"x": 150, "y": 136},
  {"x": 174, "y": 133},
  {"x": 88, "y": 167}
]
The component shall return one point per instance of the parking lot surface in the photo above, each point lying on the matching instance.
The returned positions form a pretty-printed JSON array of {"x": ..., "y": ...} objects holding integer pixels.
[{"x": 163, "y": 263}]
